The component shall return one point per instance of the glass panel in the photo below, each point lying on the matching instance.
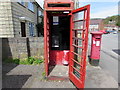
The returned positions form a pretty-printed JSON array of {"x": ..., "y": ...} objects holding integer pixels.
[
  {"x": 76, "y": 69},
  {"x": 31, "y": 29},
  {"x": 78, "y": 25},
  {"x": 77, "y": 33},
  {"x": 79, "y": 16},
  {"x": 39, "y": 13},
  {"x": 31, "y": 6},
  {"x": 77, "y": 50},
  {"x": 77, "y": 66},
  {"x": 77, "y": 42},
  {"x": 77, "y": 58},
  {"x": 76, "y": 73},
  {"x": 80, "y": 43},
  {"x": 21, "y": 2}
]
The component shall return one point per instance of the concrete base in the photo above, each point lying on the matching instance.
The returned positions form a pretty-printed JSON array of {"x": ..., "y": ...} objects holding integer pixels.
[
  {"x": 59, "y": 72},
  {"x": 94, "y": 62}
]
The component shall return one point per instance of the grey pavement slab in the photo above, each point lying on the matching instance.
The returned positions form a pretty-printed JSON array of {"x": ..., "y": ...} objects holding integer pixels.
[
  {"x": 18, "y": 76},
  {"x": 30, "y": 76},
  {"x": 59, "y": 70},
  {"x": 97, "y": 78},
  {"x": 51, "y": 84}
]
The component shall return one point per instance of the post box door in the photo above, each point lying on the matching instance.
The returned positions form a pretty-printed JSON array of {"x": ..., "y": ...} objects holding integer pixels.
[{"x": 78, "y": 45}]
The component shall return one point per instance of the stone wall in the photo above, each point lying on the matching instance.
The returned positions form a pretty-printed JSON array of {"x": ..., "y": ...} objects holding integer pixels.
[{"x": 22, "y": 47}]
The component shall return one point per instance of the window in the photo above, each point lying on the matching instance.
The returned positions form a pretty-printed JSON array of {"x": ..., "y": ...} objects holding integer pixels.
[
  {"x": 31, "y": 29},
  {"x": 31, "y": 6},
  {"x": 39, "y": 13},
  {"x": 21, "y": 2}
]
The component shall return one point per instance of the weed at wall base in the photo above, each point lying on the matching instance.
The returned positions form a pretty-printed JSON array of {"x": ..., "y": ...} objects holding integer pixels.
[{"x": 28, "y": 61}]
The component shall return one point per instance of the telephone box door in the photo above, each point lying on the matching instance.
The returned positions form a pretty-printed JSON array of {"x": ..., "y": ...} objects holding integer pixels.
[{"x": 78, "y": 45}]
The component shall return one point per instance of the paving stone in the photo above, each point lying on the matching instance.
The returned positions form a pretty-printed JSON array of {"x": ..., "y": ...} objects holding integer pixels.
[{"x": 30, "y": 76}]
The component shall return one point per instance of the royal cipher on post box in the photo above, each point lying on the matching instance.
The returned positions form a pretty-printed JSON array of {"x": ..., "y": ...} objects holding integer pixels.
[{"x": 66, "y": 37}]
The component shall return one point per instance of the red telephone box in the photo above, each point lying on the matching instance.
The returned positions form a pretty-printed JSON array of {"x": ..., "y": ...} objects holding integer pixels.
[{"x": 66, "y": 38}]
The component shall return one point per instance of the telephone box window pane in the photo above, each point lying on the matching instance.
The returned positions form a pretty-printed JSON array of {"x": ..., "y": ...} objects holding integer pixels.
[
  {"x": 76, "y": 73},
  {"x": 79, "y": 25},
  {"x": 77, "y": 42},
  {"x": 77, "y": 33},
  {"x": 78, "y": 50},
  {"x": 77, "y": 68},
  {"x": 59, "y": 5},
  {"x": 79, "y": 16},
  {"x": 76, "y": 57}
]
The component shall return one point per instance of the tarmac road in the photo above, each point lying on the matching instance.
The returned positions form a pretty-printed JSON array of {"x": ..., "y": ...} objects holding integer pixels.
[{"x": 110, "y": 54}]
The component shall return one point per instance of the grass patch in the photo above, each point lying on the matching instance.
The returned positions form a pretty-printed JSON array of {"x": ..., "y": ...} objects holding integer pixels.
[
  {"x": 28, "y": 61},
  {"x": 43, "y": 74}
]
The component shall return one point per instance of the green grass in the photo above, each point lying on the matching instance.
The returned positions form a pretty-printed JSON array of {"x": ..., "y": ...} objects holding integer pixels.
[
  {"x": 43, "y": 74},
  {"x": 28, "y": 61}
]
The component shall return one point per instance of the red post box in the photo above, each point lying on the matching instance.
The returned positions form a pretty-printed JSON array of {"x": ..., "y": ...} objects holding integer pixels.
[
  {"x": 95, "y": 48},
  {"x": 65, "y": 38}
]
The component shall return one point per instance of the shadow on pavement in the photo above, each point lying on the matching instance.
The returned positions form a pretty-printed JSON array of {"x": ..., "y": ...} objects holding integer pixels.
[
  {"x": 10, "y": 81},
  {"x": 14, "y": 81},
  {"x": 117, "y": 51}
]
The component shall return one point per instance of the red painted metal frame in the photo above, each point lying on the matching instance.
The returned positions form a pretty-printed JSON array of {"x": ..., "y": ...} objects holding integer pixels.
[
  {"x": 45, "y": 44},
  {"x": 58, "y": 8},
  {"x": 46, "y": 27},
  {"x": 79, "y": 82}
]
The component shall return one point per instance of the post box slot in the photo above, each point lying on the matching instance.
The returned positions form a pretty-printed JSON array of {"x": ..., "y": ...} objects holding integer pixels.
[{"x": 97, "y": 38}]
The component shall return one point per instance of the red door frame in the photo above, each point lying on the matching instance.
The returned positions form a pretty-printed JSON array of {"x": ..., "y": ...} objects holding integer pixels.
[
  {"x": 79, "y": 82},
  {"x": 46, "y": 31},
  {"x": 46, "y": 43}
]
